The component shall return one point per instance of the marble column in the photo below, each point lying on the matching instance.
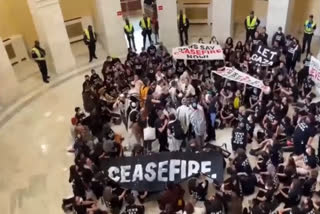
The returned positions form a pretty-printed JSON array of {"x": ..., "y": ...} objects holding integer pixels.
[
  {"x": 52, "y": 33},
  {"x": 110, "y": 27},
  {"x": 9, "y": 84},
  {"x": 168, "y": 27},
  {"x": 279, "y": 13},
  {"x": 222, "y": 19}
]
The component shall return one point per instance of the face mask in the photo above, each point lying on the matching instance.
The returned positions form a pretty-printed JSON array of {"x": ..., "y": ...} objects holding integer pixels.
[{"x": 194, "y": 105}]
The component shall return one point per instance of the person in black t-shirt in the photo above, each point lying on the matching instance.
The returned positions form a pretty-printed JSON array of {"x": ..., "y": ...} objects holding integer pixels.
[
  {"x": 303, "y": 135},
  {"x": 214, "y": 205},
  {"x": 198, "y": 188},
  {"x": 132, "y": 208},
  {"x": 239, "y": 137}
]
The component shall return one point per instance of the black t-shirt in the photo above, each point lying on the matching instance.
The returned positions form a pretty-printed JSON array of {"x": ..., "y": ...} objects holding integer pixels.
[
  {"x": 213, "y": 207},
  {"x": 134, "y": 209},
  {"x": 243, "y": 166},
  {"x": 200, "y": 192},
  {"x": 158, "y": 124},
  {"x": 239, "y": 137},
  {"x": 302, "y": 133},
  {"x": 310, "y": 160}
]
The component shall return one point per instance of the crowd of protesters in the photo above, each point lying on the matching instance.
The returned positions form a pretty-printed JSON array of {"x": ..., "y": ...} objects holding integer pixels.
[{"x": 185, "y": 103}]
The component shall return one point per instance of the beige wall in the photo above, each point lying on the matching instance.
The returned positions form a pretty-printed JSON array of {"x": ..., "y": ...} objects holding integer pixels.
[
  {"x": 77, "y": 8},
  {"x": 15, "y": 17},
  {"x": 301, "y": 10}
]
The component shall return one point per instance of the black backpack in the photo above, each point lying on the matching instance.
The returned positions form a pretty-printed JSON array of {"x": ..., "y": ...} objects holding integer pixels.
[{"x": 178, "y": 131}]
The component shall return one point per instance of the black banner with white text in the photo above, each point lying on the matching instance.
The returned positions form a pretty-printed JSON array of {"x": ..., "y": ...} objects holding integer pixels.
[
  {"x": 153, "y": 172},
  {"x": 264, "y": 56}
]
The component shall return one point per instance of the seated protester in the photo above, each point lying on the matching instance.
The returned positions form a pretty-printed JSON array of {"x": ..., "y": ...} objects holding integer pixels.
[
  {"x": 261, "y": 208},
  {"x": 307, "y": 162},
  {"x": 267, "y": 192},
  {"x": 306, "y": 207},
  {"x": 239, "y": 137},
  {"x": 237, "y": 101},
  {"x": 226, "y": 115},
  {"x": 132, "y": 208},
  {"x": 198, "y": 188},
  {"x": 173, "y": 197},
  {"x": 309, "y": 183},
  {"x": 241, "y": 164},
  {"x": 291, "y": 91},
  {"x": 262, "y": 161},
  {"x": 307, "y": 85},
  {"x": 214, "y": 205},
  {"x": 79, "y": 114},
  {"x": 286, "y": 173},
  {"x": 81, "y": 206},
  {"x": 272, "y": 117},
  {"x": 291, "y": 195},
  {"x": 303, "y": 134},
  {"x": 94, "y": 77},
  {"x": 112, "y": 200},
  {"x": 284, "y": 130},
  {"x": 254, "y": 98},
  {"x": 266, "y": 133}
]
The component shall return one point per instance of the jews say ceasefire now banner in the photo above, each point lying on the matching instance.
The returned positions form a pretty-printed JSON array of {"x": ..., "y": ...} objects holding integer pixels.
[
  {"x": 153, "y": 172},
  {"x": 198, "y": 51}
]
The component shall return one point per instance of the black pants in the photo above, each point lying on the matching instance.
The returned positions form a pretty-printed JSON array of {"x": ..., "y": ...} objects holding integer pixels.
[
  {"x": 307, "y": 38},
  {"x": 186, "y": 38},
  {"x": 131, "y": 41},
  {"x": 43, "y": 69},
  {"x": 250, "y": 33},
  {"x": 92, "y": 51},
  {"x": 145, "y": 34}
]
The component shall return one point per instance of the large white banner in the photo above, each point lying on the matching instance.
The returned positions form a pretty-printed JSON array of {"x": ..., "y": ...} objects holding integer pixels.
[
  {"x": 238, "y": 76},
  {"x": 198, "y": 51},
  {"x": 314, "y": 72}
]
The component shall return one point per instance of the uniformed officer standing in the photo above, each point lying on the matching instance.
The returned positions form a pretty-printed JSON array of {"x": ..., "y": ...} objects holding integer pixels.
[
  {"x": 145, "y": 24},
  {"x": 251, "y": 24},
  {"x": 309, "y": 28},
  {"x": 129, "y": 31},
  {"x": 39, "y": 54},
  {"x": 90, "y": 39},
  {"x": 183, "y": 25}
]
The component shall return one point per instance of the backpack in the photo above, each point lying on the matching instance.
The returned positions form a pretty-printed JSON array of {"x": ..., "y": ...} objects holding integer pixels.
[{"x": 178, "y": 131}]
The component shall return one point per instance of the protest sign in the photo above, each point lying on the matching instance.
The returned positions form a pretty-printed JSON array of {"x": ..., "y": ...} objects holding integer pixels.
[
  {"x": 314, "y": 72},
  {"x": 238, "y": 76},
  {"x": 264, "y": 56},
  {"x": 153, "y": 172},
  {"x": 198, "y": 51}
]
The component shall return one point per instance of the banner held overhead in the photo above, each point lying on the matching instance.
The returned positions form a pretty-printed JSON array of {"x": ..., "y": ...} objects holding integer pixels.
[{"x": 198, "y": 51}]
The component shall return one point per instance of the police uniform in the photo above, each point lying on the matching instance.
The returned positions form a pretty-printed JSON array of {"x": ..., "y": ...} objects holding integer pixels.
[
  {"x": 38, "y": 54},
  {"x": 90, "y": 40},
  {"x": 146, "y": 27},
  {"x": 251, "y": 25},
  {"x": 129, "y": 31},
  {"x": 183, "y": 24},
  {"x": 309, "y": 27}
]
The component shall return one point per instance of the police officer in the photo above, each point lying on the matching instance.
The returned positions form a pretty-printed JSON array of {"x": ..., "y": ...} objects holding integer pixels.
[
  {"x": 309, "y": 28},
  {"x": 251, "y": 23},
  {"x": 39, "y": 54},
  {"x": 183, "y": 25},
  {"x": 129, "y": 31},
  {"x": 90, "y": 39},
  {"x": 145, "y": 24}
]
